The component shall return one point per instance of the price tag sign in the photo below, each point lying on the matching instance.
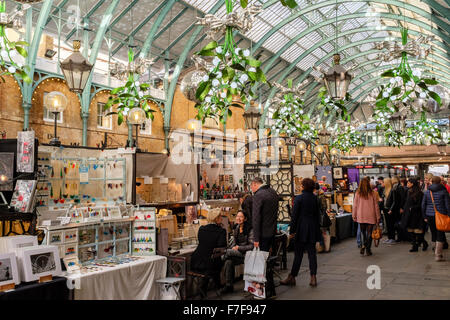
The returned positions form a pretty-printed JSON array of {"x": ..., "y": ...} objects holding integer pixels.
[
  {"x": 65, "y": 220},
  {"x": 84, "y": 174}
]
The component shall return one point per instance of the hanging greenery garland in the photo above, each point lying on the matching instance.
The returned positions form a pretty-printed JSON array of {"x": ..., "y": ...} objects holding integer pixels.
[
  {"x": 346, "y": 138},
  {"x": 424, "y": 131},
  {"x": 286, "y": 3},
  {"x": 132, "y": 94},
  {"x": 290, "y": 117},
  {"x": 404, "y": 88},
  {"x": 10, "y": 51},
  {"x": 234, "y": 71},
  {"x": 333, "y": 106}
]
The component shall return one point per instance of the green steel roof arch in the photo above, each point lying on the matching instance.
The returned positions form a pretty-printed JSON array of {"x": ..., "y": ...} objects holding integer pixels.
[
  {"x": 396, "y": 3},
  {"x": 87, "y": 16},
  {"x": 162, "y": 15},
  {"x": 341, "y": 18}
]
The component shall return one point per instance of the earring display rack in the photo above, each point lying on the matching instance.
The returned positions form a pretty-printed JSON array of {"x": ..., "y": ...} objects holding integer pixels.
[
  {"x": 144, "y": 232},
  {"x": 81, "y": 181}
]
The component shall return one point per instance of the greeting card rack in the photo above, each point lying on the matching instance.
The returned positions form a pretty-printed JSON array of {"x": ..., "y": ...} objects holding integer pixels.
[
  {"x": 77, "y": 180},
  {"x": 144, "y": 232}
]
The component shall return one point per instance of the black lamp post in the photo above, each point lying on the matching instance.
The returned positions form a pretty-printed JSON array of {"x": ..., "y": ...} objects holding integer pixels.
[{"x": 56, "y": 103}]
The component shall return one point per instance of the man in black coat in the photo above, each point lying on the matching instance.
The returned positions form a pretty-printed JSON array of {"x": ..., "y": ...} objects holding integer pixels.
[
  {"x": 265, "y": 214},
  {"x": 264, "y": 223}
]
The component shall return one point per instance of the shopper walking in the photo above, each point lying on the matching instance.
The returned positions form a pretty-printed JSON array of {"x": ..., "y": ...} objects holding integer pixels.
[
  {"x": 366, "y": 213},
  {"x": 427, "y": 181},
  {"x": 436, "y": 198},
  {"x": 412, "y": 218},
  {"x": 264, "y": 222},
  {"x": 390, "y": 223},
  {"x": 235, "y": 255},
  {"x": 305, "y": 230},
  {"x": 394, "y": 204},
  {"x": 210, "y": 237}
]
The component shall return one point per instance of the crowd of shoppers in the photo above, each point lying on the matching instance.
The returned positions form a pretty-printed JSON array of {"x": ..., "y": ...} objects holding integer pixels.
[{"x": 406, "y": 208}]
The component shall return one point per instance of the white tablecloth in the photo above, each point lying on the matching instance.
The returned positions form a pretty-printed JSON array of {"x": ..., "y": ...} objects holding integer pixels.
[{"x": 131, "y": 281}]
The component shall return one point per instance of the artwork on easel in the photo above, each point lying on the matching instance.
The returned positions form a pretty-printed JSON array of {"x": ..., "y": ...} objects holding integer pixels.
[{"x": 6, "y": 171}]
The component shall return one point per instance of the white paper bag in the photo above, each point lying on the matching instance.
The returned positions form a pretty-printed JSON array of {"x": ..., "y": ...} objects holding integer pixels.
[{"x": 255, "y": 265}]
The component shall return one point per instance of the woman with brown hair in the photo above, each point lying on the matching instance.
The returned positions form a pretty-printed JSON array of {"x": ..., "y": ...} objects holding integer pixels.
[{"x": 366, "y": 213}]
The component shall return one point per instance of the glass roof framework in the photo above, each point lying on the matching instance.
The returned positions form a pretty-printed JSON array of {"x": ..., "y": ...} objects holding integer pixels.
[{"x": 133, "y": 19}]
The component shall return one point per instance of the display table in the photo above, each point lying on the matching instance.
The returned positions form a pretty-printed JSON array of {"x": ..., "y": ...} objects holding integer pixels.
[
  {"x": 56, "y": 289},
  {"x": 344, "y": 223},
  {"x": 131, "y": 281}
]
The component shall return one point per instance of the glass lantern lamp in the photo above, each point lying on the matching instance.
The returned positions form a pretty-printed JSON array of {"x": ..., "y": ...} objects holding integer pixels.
[
  {"x": 302, "y": 148},
  {"x": 337, "y": 80},
  {"x": 136, "y": 117},
  {"x": 55, "y": 102},
  {"x": 360, "y": 148},
  {"x": 397, "y": 121},
  {"x": 324, "y": 136},
  {"x": 76, "y": 69},
  {"x": 252, "y": 116}
]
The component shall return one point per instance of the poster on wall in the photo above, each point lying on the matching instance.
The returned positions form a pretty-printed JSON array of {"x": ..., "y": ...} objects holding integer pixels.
[
  {"x": 337, "y": 173},
  {"x": 6, "y": 171}
]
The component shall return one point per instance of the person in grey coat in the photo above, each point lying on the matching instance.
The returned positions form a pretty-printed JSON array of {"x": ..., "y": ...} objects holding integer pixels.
[{"x": 235, "y": 255}]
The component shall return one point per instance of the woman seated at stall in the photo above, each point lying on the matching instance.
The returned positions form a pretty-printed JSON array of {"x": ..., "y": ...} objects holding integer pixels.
[
  {"x": 211, "y": 236},
  {"x": 242, "y": 242}
]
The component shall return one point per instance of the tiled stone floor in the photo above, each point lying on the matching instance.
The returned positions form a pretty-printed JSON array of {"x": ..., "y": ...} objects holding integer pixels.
[{"x": 342, "y": 274}]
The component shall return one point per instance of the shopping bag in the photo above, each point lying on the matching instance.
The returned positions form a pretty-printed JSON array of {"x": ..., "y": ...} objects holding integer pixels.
[
  {"x": 442, "y": 220},
  {"x": 256, "y": 288},
  {"x": 255, "y": 265}
]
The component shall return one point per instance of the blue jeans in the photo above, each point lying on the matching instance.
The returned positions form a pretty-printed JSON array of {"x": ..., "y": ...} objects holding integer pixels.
[{"x": 358, "y": 236}]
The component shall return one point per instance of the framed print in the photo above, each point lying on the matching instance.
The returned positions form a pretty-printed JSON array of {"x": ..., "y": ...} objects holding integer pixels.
[
  {"x": 10, "y": 244},
  {"x": 55, "y": 237},
  {"x": 9, "y": 273},
  {"x": 337, "y": 173},
  {"x": 37, "y": 262}
]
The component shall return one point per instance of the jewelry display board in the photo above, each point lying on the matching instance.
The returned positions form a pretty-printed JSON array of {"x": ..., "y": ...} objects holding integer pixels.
[
  {"x": 77, "y": 180},
  {"x": 144, "y": 232}
]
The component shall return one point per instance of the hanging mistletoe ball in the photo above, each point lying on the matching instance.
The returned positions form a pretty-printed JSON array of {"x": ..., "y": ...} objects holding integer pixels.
[{"x": 190, "y": 83}]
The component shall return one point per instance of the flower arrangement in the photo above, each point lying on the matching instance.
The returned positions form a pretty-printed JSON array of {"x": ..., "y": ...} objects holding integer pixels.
[
  {"x": 132, "y": 94},
  {"x": 290, "y": 117},
  {"x": 233, "y": 73},
  {"x": 424, "y": 130},
  {"x": 10, "y": 51}
]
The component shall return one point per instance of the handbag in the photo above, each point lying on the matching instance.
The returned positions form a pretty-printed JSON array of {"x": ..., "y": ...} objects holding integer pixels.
[
  {"x": 442, "y": 220},
  {"x": 376, "y": 236},
  {"x": 324, "y": 219}
]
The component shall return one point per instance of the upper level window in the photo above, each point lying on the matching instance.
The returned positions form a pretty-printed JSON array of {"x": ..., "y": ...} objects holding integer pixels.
[
  {"x": 103, "y": 122},
  {"x": 146, "y": 127}
]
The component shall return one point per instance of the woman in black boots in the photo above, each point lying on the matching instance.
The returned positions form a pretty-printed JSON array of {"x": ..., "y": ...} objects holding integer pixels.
[
  {"x": 412, "y": 218},
  {"x": 305, "y": 229}
]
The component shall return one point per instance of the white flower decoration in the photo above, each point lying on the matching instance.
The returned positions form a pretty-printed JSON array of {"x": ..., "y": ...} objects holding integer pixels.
[
  {"x": 215, "y": 82},
  {"x": 216, "y": 61},
  {"x": 219, "y": 50},
  {"x": 233, "y": 85},
  {"x": 223, "y": 95},
  {"x": 252, "y": 69},
  {"x": 11, "y": 69},
  {"x": 423, "y": 95},
  {"x": 246, "y": 52},
  {"x": 243, "y": 78},
  {"x": 237, "y": 51},
  {"x": 208, "y": 99},
  {"x": 205, "y": 78}
]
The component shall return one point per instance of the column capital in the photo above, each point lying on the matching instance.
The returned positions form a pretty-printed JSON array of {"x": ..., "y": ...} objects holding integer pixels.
[{"x": 84, "y": 114}]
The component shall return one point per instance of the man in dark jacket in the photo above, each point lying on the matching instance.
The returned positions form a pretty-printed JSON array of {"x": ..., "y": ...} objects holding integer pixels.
[
  {"x": 265, "y": 214},
  {"x": 264, "y": 223},
  {"x": 436, "y": 196}
]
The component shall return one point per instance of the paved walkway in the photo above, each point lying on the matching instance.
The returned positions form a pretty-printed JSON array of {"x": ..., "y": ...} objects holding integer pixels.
[{"x": 342, "y": 274}]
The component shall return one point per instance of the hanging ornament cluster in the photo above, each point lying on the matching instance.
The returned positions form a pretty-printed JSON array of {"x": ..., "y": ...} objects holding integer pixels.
[
  {"x": 419, "y": 48},
  {"x": 346, "y": 137},
  {"x": 133, "y": 94},
  {"x": 290, "y": 118},
  {"x": 137, "y": 66},
  {"x": 11, "y": 52},
  {"x": 399, "y": 97},
  {"x": 192, "y": 79},
  {"x": 233, "y": 72}
]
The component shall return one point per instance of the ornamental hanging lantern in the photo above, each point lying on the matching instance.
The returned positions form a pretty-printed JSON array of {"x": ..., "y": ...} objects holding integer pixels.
[
  {"x": 76, "y": 69},
  {"x": 324, "y": 136},
  {"x": 252, "y": 116},
  {"x": 337, "y": 79},
  {"x": 302, "y": 145},
  {"x": 397, "y": 121},
  {"x": 334, "y": 152},
  {"x": 360, "y": 148}
]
